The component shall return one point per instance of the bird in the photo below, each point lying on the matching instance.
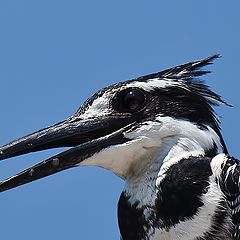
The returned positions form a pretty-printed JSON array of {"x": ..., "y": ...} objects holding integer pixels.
[{"x": 161, "y": 135}]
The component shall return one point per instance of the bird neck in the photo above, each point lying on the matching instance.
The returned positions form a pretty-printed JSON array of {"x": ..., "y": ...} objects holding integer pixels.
[{"x": 191, "y": 141}]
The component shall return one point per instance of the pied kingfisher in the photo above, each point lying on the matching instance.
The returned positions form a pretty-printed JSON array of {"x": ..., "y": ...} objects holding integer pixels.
[{"x": 160, "y": 134}]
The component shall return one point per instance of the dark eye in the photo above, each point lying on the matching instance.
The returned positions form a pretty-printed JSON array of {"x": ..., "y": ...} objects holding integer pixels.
[{"x": 132, "y": 100}]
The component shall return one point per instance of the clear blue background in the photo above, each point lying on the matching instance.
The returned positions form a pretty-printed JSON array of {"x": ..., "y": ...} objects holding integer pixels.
[{"x": 55, "y": 54}]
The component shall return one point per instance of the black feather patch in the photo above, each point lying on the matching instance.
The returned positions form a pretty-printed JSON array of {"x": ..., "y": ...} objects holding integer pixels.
[{"x": 179, "y": 196}]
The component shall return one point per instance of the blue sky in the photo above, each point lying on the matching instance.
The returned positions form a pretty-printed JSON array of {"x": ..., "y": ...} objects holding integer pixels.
[{"x": 54, "y": 54}]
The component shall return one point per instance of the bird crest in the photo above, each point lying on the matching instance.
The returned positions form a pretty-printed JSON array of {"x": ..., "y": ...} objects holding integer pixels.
[{"x": 188, "y": 76}]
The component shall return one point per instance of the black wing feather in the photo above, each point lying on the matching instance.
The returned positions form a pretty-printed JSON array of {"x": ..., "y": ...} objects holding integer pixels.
[{"x": 229, "y": 182}]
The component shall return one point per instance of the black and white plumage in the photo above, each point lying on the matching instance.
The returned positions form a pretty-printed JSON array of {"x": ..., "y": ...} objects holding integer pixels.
[{"x": 160, "y": 134}]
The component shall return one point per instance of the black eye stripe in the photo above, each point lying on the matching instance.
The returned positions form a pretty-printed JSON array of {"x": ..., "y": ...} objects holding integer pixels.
[{"x": 130, "y": 100}]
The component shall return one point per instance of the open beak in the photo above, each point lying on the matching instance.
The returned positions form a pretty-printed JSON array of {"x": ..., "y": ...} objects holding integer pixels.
[{"x": 86, "y": 137}]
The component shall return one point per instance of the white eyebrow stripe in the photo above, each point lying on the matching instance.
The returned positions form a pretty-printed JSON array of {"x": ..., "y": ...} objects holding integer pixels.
[
  {"x": 152, "y": 84},
  {"x": 100, "y": 106}
]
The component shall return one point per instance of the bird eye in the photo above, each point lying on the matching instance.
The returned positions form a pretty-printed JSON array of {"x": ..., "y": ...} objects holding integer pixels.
[{"x": 131, "y": 100}]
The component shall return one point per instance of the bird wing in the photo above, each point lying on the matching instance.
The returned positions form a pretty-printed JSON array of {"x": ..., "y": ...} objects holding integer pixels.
[{"x": 227, "y": 172}]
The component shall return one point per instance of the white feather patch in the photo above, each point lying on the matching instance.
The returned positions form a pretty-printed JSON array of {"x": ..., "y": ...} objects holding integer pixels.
[
  {"x": 216, "y": 164},
  {"x": 126, "y": 159},
  {"x": 100, "y": 106},
  {"x": 154, "y": 83},
  {"x": 191, "y": 141}
]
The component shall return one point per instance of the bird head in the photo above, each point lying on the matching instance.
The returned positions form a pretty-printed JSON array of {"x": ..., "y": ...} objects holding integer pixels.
[{"x": 129, "y": 127}]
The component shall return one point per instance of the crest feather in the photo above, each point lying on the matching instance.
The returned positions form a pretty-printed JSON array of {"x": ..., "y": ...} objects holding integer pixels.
[
  {"x": 184, "y": 71},
  {"x": 187, "y": 76}
]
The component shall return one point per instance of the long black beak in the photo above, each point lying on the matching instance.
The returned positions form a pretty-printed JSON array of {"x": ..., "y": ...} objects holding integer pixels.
[{"x": 87, "y": 137}]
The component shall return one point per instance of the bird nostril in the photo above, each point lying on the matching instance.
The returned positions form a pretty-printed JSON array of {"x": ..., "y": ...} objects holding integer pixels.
[
  {"x": 55, "y": 162},
  {"x": 31, "y": 171}
]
